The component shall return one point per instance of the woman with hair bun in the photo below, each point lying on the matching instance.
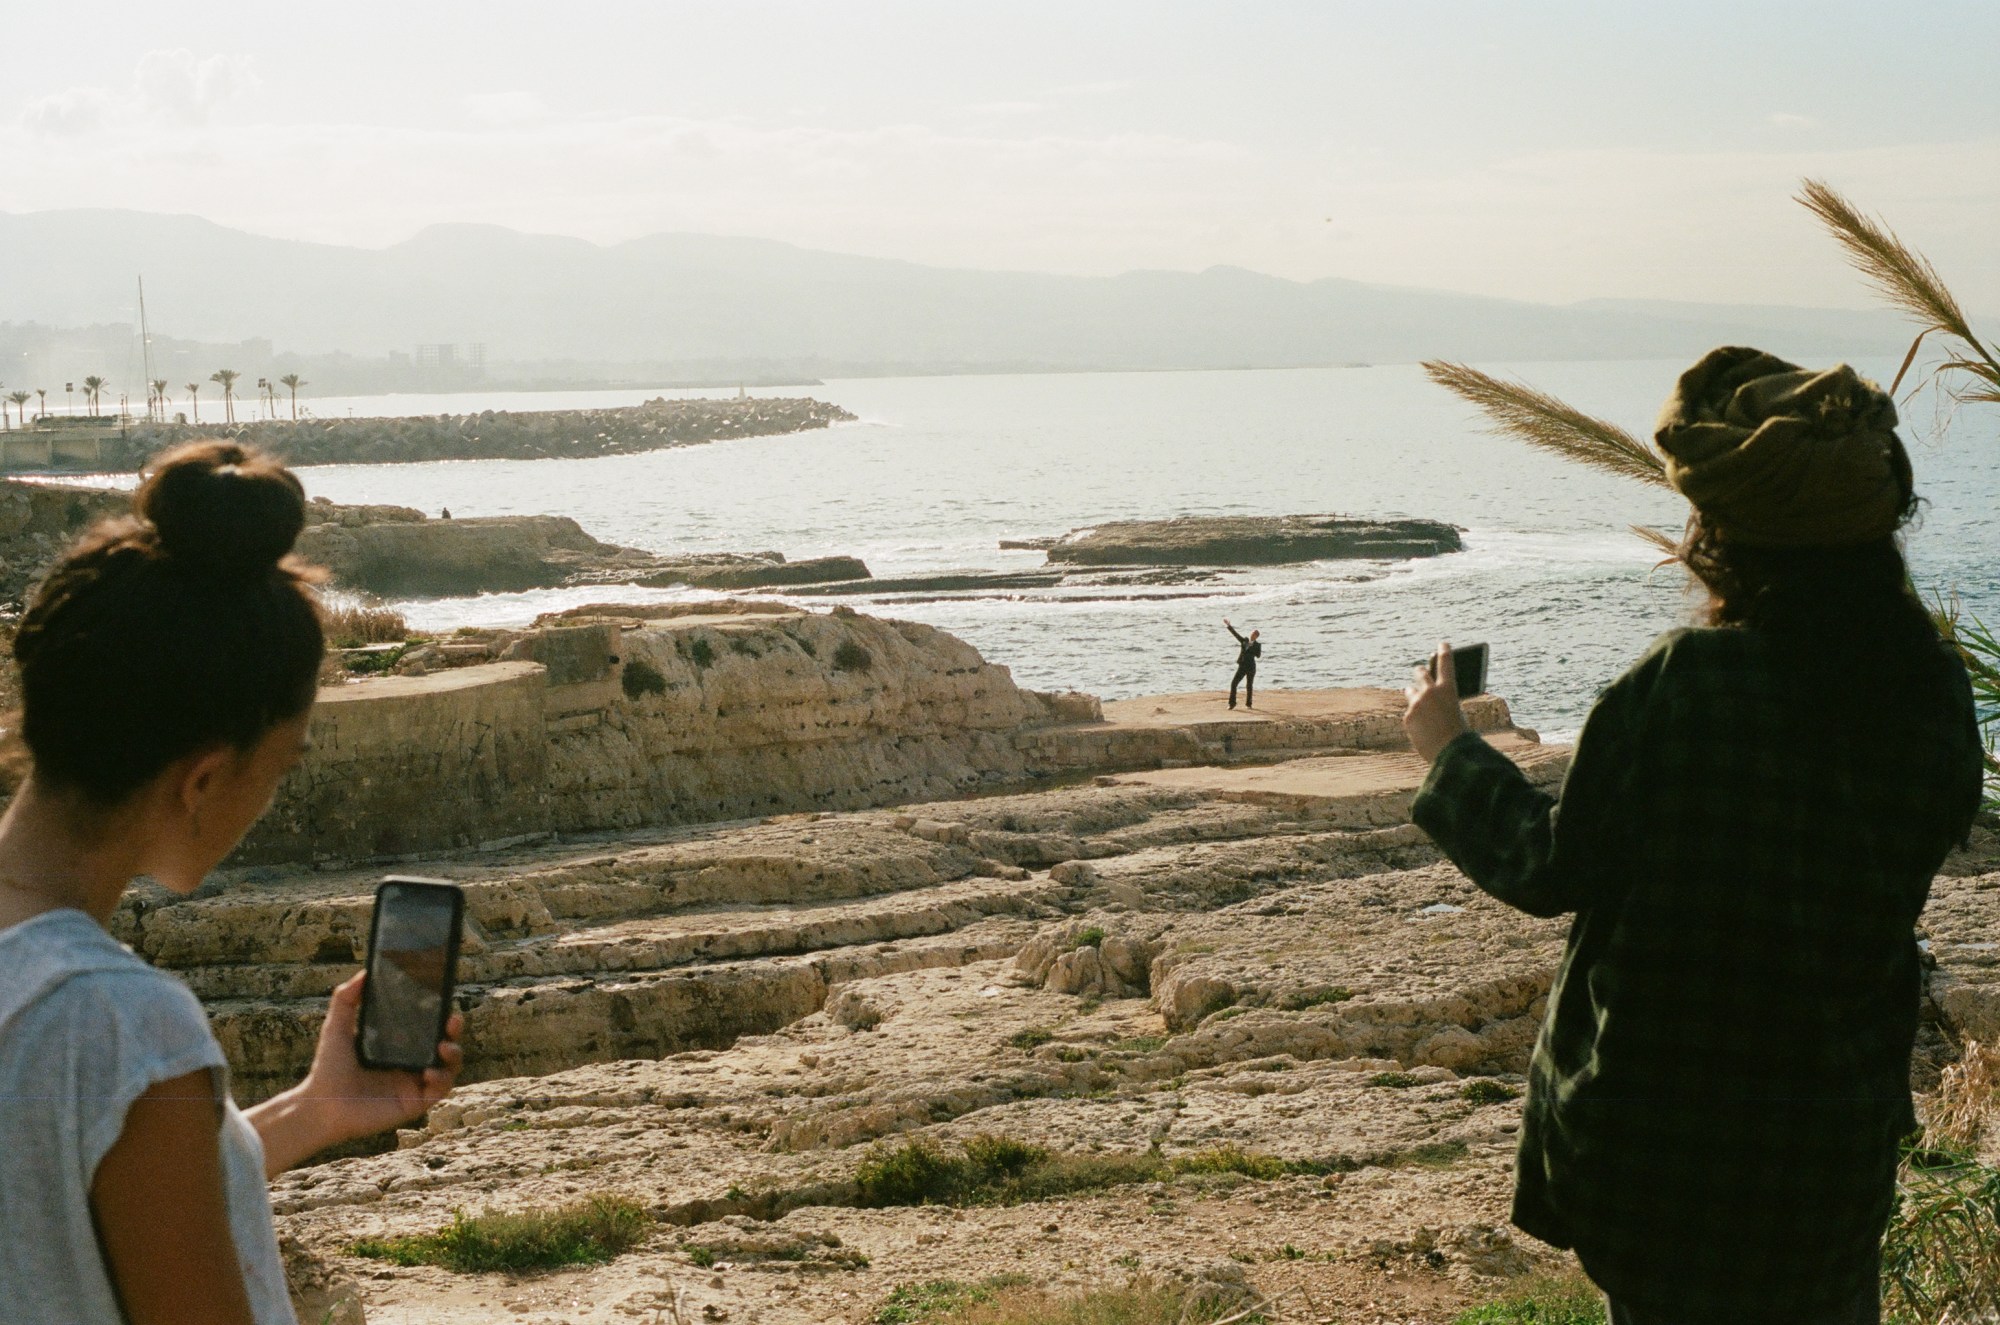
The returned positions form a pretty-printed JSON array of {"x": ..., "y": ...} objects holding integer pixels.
[
  {"x": 168, "y": 667},
  {"x": 1747, "y": 833}
]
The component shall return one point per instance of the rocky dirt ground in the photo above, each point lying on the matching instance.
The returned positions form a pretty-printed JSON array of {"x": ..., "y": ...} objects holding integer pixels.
[{"x": 1258, "y": 980}]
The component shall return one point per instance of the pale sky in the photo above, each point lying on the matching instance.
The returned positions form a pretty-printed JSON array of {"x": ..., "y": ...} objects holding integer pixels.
[{"x": 1538, "y": 150}]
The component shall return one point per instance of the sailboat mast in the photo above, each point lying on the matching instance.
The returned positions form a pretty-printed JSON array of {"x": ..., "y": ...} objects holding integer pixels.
[{"x": 146, "y": 352}]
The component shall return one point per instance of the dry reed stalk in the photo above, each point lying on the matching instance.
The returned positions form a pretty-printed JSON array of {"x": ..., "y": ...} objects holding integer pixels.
[
  {"x": 1908, "y": 281},
  {"x": 1549, "y": 424},
  {"x": 350, "y": 626},
  {"x": 1968, "y": 1093}
]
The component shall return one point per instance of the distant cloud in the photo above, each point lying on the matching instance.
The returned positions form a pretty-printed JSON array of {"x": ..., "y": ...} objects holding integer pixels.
[
  {"x": 1784, "y": 119},
  {"x": 78, "y": 110},
  {"x": 173, "y": 87}
]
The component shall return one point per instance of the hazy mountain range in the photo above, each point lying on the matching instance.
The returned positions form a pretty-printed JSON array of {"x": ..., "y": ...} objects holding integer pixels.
[{"x": 699, "y": 302}]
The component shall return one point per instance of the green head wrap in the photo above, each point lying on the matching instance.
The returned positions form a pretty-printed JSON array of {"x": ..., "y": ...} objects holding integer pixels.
[{"x": 1776, "y": 455}]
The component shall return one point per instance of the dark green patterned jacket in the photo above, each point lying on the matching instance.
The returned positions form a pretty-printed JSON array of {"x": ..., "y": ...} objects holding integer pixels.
[{"x": 1721, "y": 1084}]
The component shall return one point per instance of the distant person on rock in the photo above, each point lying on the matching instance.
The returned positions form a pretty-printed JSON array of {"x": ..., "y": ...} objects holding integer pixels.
[
  {"x": 168, "y": 665},
  {"x": 1747, "y": 833},
  {"x": 1247, "y": 653}
]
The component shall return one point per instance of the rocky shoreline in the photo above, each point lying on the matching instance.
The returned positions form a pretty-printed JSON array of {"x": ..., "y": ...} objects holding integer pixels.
[
  {"x": 492, "y": 434},
  {"x": 794, "y": 896},
  {"x": 764, "y": 903}
]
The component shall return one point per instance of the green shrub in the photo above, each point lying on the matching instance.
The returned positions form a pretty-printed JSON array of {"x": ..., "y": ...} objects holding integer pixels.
[
  {"x": 1393, "y": 1080},
  {"x": 916, "y": 1173},
  {"x": 1566, "y": 1301},
  {"x": 585, "y": 1232},
  {"x": 701, "y": 651},
  {"x": 373, "y": 661},
  {"x": 642, "y": 678},
  {"x": 702, "y": 1256},
  {"x": 852, "y": 657},
  {"x": 1003, "y": 1154},
  {"x": 1088, "y": 938},
  {"x": 1032, "y": 1037},
  {"x": 1234, "y": 1159},
  {"x": 1488, "y": 1091}
]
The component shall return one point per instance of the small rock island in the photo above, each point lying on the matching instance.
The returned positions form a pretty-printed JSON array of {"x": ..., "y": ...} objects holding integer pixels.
[{"x": 1251, "y": 540}]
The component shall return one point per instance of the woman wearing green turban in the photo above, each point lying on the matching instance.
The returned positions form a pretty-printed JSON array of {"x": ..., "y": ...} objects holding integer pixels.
[{"x": 1746, "y": 836}]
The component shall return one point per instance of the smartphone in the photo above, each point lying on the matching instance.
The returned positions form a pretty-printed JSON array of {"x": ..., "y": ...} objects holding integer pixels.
[
  {"x": 412, "y": 971},
  {"x": 1469, "y": 662}
]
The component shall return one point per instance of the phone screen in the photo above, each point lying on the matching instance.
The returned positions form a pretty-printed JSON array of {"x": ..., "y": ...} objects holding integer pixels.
[{"x": 412, "y": 956}]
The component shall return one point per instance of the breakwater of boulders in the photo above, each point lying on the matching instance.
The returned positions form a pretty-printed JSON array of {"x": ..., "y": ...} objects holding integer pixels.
[{"x": 492, "y": 434}]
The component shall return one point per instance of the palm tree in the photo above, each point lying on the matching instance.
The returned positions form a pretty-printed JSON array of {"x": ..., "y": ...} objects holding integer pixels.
[
  {"x": 227, "y": 376},
  {"x": 20, "y": 399},
  {"x": 159, "y": 385},
  {"x": 294, "y": 381},
  {"x": 41, "y": 402},
  {"x": 91, "y": 387},
  {"x": 194, "y": 399}
]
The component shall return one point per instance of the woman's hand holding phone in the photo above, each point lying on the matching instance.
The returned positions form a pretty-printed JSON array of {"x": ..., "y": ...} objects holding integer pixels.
[
  {"x": 1433, "y": 718},
  {"x": 340, "y": 1099}
]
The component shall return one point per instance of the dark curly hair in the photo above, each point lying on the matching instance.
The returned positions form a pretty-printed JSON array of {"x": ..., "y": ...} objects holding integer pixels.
[{"x": 184, "y": 625}]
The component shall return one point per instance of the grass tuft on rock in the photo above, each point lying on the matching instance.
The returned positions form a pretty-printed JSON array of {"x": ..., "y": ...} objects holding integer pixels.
[
  {"x": 852, "y": 657},
  {"x": 1570, "y": 1300},
  {"x": 998, "y": 1170},
  {"x": 1941, "y": 1254},
  {"x": 586, "y": 1232},
  {"x": 1487, "y": 1091},
  {"x": 1007, "y": 1301}
]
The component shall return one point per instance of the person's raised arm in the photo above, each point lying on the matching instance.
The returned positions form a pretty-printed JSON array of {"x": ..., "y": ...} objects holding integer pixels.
[
  {"x": 1531, "y": 850},
  {"x": 161, "y": 1212},
  {"x": 1234, "y": 631}
]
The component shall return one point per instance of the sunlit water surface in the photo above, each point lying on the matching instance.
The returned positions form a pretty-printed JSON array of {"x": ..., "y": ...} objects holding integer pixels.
[{"x": 939, "y": 469}]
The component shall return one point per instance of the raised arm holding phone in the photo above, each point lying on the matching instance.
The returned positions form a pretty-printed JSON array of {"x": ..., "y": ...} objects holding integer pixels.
[
  {"x": 1746, "y": 834},
  {"x": 168, "y": 667}
]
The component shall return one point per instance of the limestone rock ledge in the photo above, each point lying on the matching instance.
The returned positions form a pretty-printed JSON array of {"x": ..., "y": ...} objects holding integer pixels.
[{"x": 629, "y": 722}]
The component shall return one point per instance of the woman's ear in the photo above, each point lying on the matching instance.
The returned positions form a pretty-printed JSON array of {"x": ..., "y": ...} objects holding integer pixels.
[{"x": 202, "y": 777}]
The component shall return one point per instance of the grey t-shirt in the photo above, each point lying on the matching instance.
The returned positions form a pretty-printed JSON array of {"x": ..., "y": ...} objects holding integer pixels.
[{"x": 85, "y": 1029}]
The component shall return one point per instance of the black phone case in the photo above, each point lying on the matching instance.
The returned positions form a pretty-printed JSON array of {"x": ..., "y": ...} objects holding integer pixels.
[
  {"x": 450, "y": 969},
  {"x": 1472, "y": 678}
]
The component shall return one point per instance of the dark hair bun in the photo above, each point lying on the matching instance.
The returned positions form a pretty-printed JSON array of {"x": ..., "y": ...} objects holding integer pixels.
[{"x": 225, "y": 508}]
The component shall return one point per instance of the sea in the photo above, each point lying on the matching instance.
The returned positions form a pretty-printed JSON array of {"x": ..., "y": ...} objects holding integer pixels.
[{"x": 938, "y": 470}]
